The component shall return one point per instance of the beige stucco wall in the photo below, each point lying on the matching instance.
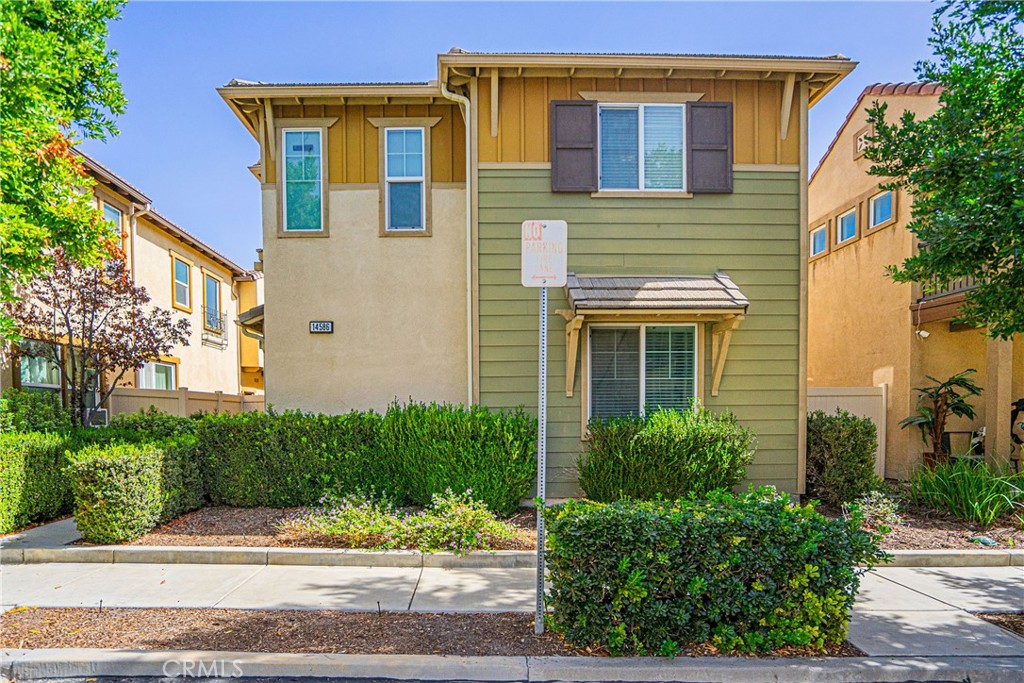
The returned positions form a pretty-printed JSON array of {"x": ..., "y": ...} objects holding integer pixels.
[
  {"x": 398, "y": 306},
  {"x": 202, "y": 367}
]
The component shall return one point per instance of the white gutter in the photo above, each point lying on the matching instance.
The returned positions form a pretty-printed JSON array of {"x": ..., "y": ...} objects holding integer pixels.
[{"x": 465, "y": 106}]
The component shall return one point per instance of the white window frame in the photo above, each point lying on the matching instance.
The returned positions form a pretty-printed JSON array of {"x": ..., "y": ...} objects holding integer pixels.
[
  {"x": 643, "y": 360},
  {"x": 421, "y": 179},
  {"x": 174, "y": 375},
  {"x": 839, "y": 226},
  {"x": 45, "y": 387},
  {"x": 220, "y": 311},
  {"x": 639, "y": 107},
  {"x": 104, "y": 205},
  {"x": 282, "y": 158},
  {"x": 871, "y": 209},
  {"x": 821, "y": 228},
  {"x": 175, "y": 260}
]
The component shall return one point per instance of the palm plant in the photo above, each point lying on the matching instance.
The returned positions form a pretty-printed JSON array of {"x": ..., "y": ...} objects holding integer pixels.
[{"x": 937, "y": 402}]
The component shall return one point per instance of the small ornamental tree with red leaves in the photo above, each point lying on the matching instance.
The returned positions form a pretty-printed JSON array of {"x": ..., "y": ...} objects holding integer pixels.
[{"x": 106, "y": 320}]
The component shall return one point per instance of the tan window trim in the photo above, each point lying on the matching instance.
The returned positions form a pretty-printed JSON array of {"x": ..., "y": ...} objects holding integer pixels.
[
  {"x": 220, "y": 308},
  {"x": 382, "y": 124},
  {"x": 871, "y": 229},
  {"x": 323, "y": 124},
  {"x": 836, "y": 244},
  {"x": 175, "y": 256},
  {"x": 166, "y": 360},
  {"x": 825, "y": 223}
]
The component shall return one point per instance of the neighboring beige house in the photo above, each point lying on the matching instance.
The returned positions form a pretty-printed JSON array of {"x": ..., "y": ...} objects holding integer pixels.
[
  {"x": 865, "y": 329},
  {"x": 392, "y": 219},
  {"x": 185, "y": 276}
]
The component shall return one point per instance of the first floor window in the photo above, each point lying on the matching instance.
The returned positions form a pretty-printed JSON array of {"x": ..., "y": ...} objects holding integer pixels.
[
  {"x": 819, "y": 240},
  {"x": 641, "y": 147},
  {"x": 155, "y": 375},
  {"x": 634, "y": 369},
  {"x": 38, "y": 372},
  {"x": 846, "y": 226},
  {"x": 880, "y": 208},
  {"x": 303, "y": 181},
  {"x": 404, "y": 178}
]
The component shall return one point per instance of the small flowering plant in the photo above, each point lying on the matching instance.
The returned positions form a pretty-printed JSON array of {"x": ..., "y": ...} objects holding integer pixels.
[{"x": 451, "y": 523}]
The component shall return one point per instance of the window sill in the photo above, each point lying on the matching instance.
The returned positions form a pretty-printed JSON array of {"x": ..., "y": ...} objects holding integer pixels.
[
  {"x": 405, "y": 233},
  {"x": 302, "y": 233},
  {"x": 638, "y": 194}
]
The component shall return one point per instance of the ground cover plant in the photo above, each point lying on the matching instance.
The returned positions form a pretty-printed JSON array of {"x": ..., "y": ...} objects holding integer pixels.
[
  {"x": 840, "y": 456},
  {"x": 452, "y": 522},
  {"x": 667, "y": 453},
  {"x": 749, "y": 573},
  {"x": 970, "y": 490}
]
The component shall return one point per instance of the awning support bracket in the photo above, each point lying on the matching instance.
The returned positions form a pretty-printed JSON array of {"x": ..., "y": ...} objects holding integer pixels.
[
  {"x": 572, "y": 345},
  {"x": 721, "y": 336}
]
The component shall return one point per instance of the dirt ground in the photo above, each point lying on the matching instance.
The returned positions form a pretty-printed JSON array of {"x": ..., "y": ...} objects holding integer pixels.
[
  {"x": 921, "y": 529},
  {"x": 1012, "y": 621},
  {"x": 297, "y": 631}
]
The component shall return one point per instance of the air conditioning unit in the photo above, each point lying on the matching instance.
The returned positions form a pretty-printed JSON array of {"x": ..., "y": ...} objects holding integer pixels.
[{"x": 99, "y": 418}]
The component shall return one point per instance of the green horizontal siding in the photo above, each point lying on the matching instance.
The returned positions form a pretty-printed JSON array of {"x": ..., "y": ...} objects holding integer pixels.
[{"x": 752, "y": 234}]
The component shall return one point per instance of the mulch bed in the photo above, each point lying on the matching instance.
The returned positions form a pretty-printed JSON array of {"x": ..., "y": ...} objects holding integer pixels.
[
  {"x": 1011, "y": 621},
  {"x": 252, "y": 527},
  {"x": 506, "y": 634}
]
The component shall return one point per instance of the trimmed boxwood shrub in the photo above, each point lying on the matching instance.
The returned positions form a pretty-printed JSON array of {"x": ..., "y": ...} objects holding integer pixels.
[
  {"x": 426, "y": 449},
  {"x": 33, "y": 411},
  {"x": 122, "y": 490},
  {"x": 840, "y": 456},
  {"x": 154, "y": 424},
  {"x": 286, "y": 459},
  {"x": 750, "y": 573},
  {"x": 33, "y": 483},
  {"x": 668, "y": 453}
]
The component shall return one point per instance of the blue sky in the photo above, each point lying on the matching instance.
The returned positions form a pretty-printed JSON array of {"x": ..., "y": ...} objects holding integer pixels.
[{"x": 181, "y": 145}]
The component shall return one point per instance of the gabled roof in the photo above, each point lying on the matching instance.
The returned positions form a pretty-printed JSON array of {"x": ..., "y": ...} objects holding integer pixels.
[
  {"x": 646, "y": 293},
  {"x": 108, "y": 177},
  {"x": 922, "y": 88}
]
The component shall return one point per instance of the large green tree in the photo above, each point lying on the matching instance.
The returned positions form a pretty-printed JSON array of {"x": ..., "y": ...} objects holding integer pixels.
[
  {"x": 57, "y": 87},
  {"x": 964, "y": 165}
]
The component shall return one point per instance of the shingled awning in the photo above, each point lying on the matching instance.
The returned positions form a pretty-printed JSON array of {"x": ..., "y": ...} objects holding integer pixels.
[{"x": 713, "y": 299}]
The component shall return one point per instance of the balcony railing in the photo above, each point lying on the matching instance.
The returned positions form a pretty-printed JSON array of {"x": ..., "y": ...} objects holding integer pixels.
[
  {"x": 213, "y": 320},
  {"x": 937, "y": 290}
]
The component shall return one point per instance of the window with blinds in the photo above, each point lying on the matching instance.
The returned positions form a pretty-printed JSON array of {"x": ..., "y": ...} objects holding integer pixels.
[
  {"x": 644, "y": 367},
  {"x": 641, "y": 147}
]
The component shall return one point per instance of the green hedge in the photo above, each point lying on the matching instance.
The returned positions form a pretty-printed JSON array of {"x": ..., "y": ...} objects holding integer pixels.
[
  {"x": 426, "y": 449},
  {"x": 840, "y": 456},
  {"x": 33, "y": 411},
  {"x": 751, "y": 573},
  {"x": 286, "y": 459},
  {"x": 33, "y": 483},
  {"x": 154, "y": 424},
  {"x": 123, "y": 490},
  {"x": 668, "y": 453}
]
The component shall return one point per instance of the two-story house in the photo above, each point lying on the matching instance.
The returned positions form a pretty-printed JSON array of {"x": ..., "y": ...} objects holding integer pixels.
[
  {"x": 867, "y": 330},
  {"x": 181, "y": 274},
  {"x": 391, "y": 225}
]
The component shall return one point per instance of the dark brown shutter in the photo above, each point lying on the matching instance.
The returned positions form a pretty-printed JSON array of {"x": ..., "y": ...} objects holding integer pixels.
[
  {"x": 709, "y": 146},
  {"x": 573, "y": 146}
]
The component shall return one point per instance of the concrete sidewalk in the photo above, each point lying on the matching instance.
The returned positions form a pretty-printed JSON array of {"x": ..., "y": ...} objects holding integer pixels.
[{"x": 899, "y": 611}]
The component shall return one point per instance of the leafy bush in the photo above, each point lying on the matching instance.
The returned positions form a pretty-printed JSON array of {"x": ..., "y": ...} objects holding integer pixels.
[
  {"x": 33, "y": 411},
  {"x": 751, "y": 573},
  {"x": 123, "y": 490},
  {"x": 33, "y": 482},
  {"x": 970, "y": 490},
  {"x": 668, "y": 453},
  {"x": 425, "y": 449},
  {"x": 452, "y": 522},
  {"x": 286, "y": 459},
  {"x": 840, "y": 456},
  {"x": 154, "y": 424},
  {"x": 879, "y": 510}
]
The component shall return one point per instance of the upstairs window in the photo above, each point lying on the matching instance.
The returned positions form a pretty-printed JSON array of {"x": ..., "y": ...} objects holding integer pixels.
[
  {"x": 846, "y": 226},
  {"x": 303, "y": 181},
  {"x": 404, "y": 179},
  {"x": 113, "y": 215},
  {"x": 819, "y": 240},
  {"x": 880, "y": 208},
  {"x": 211, "y": 311},
  {"x": 641, "y": 147},
  {"x": 181, "y": 274}
]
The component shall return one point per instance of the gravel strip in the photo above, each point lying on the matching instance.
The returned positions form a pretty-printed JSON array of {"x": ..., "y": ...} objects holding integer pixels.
[{"x": 1011, "y": 621}]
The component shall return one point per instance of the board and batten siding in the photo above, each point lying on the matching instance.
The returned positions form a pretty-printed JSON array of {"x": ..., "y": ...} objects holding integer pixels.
[{"x": 752, "y": 234}]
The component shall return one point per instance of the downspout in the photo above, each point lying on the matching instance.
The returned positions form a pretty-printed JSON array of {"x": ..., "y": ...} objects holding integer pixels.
[
  {"x": 465, "y": 105},
  {"x": 137, "y": 210}
]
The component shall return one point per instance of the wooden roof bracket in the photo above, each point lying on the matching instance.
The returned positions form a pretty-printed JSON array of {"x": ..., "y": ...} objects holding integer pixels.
[
  {"x": 721, "y": 335},
  {"x": 268, "y": 113},
  {"x": 787, "y": 103},
  {"x": 572, "y": 346},
  {"x": 494, "y": 102}
]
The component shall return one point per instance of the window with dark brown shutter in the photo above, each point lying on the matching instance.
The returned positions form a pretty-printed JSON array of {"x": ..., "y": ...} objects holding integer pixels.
[
  {"x": 573, "y": 146},
  {"x": 709, "y": 146}
]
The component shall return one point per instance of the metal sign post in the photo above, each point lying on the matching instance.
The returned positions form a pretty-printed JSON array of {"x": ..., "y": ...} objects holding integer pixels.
[{"x": 544, "y": 246}]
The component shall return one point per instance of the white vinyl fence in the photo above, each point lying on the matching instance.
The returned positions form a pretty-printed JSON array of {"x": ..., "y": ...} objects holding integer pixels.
[
  {"x": 869, "y": 402},
  {"x": 182, "y": 402}
]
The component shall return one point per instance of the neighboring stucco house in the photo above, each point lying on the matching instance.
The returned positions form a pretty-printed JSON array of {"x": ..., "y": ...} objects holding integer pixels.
[
  {"x": 183, "y": 275},
  {"x": 683, "y": 182},
  {"x": 866, "y": 329}
]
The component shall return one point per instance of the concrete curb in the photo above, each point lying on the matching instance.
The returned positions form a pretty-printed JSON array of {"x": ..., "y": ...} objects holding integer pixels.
[
  {"x": 24, "y": 665},
  {"x": 324, "y": 557}
]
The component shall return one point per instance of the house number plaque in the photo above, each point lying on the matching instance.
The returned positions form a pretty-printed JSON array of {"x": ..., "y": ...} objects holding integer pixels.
[{"x": 321, "y": 327}]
